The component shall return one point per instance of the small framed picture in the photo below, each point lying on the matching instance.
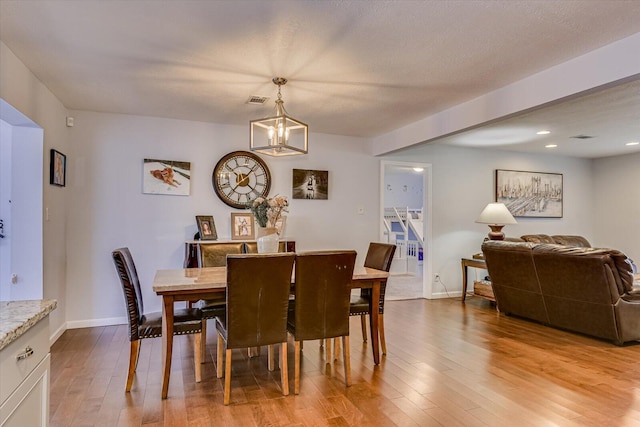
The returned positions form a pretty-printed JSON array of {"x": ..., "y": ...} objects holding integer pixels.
[
  {"x": 206, "y": 227},
  {"x": 242, "y": 226},
  {"x": 171, "y": 177},
  {"x": 58, "y": 169},
  {"x": 310, "y": 184}
]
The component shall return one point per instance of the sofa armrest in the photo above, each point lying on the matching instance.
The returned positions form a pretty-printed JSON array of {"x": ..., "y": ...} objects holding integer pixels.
[{"x": 632, "y": 296}]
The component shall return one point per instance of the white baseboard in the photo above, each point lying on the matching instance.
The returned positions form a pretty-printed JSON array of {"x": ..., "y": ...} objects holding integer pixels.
[
  {"x": 57, "y": 334},
  {"x": 77, "y": 324},
  {"x": 453, "y": 294},
  {"x": 92, "y": 323}
]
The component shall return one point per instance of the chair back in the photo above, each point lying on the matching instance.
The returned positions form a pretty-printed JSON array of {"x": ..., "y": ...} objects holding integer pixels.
[
  {"x": 252, "y": 247},
  {"x": 215, "y": 255},
  {"x": 379, "y": 256},
  {"x": 257, "y": 299},
  {"x": 128, "y": 274},
  {"x": 323, "y": 291}
]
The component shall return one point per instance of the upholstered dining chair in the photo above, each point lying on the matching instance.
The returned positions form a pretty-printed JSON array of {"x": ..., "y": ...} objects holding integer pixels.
[
  {"x": 256, "y": 310},
  {"x": 149, "y": 325},
  {"x": 252, "y": 247},
  {"x": 321, "y": 306},
  {"x": 215, "y": 256},
  {"x": 379, "y": 256}
]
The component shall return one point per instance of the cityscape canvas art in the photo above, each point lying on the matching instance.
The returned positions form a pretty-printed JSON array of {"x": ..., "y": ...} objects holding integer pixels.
[{"x": 530, "y": 194}]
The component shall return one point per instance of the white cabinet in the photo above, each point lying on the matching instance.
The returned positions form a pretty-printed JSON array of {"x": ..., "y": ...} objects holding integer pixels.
[{"x": 24, "y": 370}]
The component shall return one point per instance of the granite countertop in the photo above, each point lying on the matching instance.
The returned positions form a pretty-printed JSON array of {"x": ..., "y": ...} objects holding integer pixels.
[{"x": 17, "y": 317}]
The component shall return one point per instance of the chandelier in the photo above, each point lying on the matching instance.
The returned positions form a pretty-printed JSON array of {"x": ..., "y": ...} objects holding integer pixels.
[{"x": 279, "y": 134}]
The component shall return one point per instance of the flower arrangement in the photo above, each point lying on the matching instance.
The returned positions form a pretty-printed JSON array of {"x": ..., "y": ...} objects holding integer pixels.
[{"x": 269, "y": 210}]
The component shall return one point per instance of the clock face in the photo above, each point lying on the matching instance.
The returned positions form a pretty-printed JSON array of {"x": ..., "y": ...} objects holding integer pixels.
[{"x": 240, "y": 177}]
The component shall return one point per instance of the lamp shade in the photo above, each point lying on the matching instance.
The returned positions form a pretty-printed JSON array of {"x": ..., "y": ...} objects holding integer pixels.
[
  {"x": 496, "y": 213},
  {"x": 497, "y": 216}
]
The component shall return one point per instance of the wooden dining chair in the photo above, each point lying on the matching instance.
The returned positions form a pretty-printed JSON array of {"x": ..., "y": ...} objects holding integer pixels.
[
  {"x": 256, "y": 310},
  {"x": 321, "y": 306},
  {"x": 379, "y": 256},
  {"x": 149, "y": 325}
]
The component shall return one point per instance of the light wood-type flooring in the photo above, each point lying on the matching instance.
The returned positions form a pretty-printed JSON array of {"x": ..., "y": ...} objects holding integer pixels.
[{"x": 448, "y": 363}]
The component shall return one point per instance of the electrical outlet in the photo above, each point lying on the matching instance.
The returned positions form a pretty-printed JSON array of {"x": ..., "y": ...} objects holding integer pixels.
[{"x": 436, "y": 277}]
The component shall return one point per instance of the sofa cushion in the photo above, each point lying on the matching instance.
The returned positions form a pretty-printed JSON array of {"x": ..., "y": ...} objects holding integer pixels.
[
  {"x": 569, "y": 240},
  {"x": 622, "y": 266},
  {"x": 537, "y": 238}
]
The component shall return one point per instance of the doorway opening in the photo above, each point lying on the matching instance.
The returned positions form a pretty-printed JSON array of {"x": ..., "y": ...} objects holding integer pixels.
[
  {"x": 21, "y": 181},
  {"x": 405, "y": 212}
]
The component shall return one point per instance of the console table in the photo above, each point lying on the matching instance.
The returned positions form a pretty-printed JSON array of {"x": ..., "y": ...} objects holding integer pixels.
[
  {"x": 474, "y": 263},
  {"x": 191, "y": 249}
]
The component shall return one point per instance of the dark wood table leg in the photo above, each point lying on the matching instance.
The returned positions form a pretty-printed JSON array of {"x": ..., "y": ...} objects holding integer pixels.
[
  {"x": 373, "y": 320},
  {"x": 464, "y": 280},
  {"x": 167, "y": 341}
]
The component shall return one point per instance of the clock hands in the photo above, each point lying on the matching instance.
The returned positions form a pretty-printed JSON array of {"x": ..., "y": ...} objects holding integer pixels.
[
  {"x": 242, "y": 180},
  {"x": 239, "y": 177}
]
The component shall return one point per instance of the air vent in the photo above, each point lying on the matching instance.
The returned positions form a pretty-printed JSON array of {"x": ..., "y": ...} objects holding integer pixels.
[
  {"x": 582, "y": 137},
  {"x": 257, "y": 100}
]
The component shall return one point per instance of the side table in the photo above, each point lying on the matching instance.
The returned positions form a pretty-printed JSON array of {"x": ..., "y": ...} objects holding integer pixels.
[{"x": 470, "y": 262}]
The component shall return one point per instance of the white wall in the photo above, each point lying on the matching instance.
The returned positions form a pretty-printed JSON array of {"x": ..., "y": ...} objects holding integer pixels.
[
  {"x": 463, "y": 184},
  {"x": 403, "y": 189},
  {"x": 617, "y": 204},
  {"x": 20, "y": 88},
  {"x": 107, "y": 209}
]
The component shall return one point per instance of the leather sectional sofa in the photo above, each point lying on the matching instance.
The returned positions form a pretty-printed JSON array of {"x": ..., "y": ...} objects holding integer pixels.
[{"x": 577, "y": 288}]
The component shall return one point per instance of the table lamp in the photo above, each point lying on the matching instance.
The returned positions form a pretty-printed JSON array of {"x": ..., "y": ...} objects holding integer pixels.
[{"x": 496, "y": 215}]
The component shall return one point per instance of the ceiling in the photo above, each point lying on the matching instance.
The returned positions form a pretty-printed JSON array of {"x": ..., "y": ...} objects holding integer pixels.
[
  {"x": 591, "y": 126},
  {"x": 355, "y": 68}
]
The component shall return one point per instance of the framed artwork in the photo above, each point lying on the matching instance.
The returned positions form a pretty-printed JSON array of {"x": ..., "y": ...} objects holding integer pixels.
[
  {"x": 310, "y": 184},
  {"x": 166, "y": 177},
  {"x": 206, "y": 227},
  {"x": 242, "y": 226},
  {"x": 58, "y": 169},
  {"x": 530, "y": 194}
]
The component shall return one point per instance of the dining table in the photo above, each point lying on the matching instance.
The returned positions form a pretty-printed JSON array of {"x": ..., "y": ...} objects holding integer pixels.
[{"x": 191, "y": 284}]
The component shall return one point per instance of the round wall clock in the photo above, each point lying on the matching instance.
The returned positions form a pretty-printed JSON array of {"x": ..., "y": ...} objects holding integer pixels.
[{"x": 240, "y": 177}]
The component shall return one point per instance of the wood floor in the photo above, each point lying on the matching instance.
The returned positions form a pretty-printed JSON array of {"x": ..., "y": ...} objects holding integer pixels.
[{"x": 448, "y": 363}]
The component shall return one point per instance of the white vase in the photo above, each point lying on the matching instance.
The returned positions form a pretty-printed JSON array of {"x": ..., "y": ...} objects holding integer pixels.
[{"x": 267, "y": 240}]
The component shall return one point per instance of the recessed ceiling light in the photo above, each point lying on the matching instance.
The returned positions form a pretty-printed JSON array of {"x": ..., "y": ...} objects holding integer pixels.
[
  {"x": 418, "y": 169},
  {"x": 633, "y": 143},
  {"x": 543, "y": 132},
  {"x": 550, "y": 146}
]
